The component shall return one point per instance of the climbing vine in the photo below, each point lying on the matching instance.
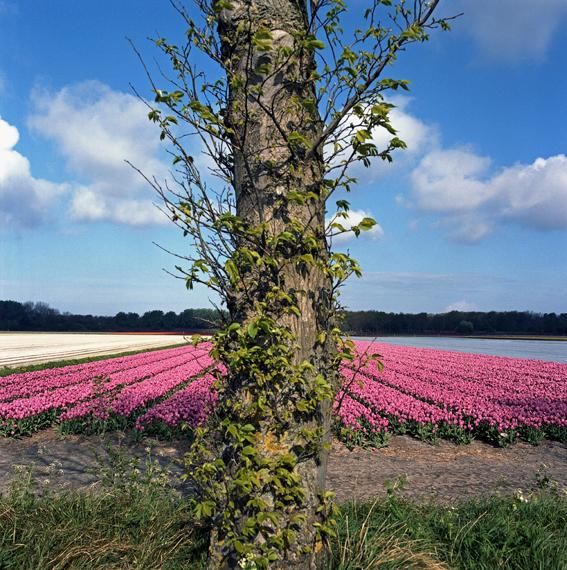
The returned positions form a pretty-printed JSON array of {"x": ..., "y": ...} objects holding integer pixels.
[{"x": 283, "y": 102}]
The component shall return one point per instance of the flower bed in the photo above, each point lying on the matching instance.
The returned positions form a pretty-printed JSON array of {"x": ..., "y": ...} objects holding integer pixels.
[{"x": 422, "y": 392}]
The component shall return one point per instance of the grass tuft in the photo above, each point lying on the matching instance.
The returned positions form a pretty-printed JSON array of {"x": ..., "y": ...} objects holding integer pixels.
[
  {"x": 363, "y": 545},
  {"x": 138, "y": 526},
  {"x": 525, "y": 531}
]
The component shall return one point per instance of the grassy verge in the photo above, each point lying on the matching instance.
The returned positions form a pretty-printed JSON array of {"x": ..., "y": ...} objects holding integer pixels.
[
  {"x": 118, "y": 528},
  {"x": 139, "y": 522},
  {"x": 522, "y": 532},
  {"x": 6, "y": 370}
]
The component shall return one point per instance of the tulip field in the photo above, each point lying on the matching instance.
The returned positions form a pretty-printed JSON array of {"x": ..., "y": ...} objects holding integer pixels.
[
  {"x": 453, "y": 395},
  {"x": 425, "y": 393}
]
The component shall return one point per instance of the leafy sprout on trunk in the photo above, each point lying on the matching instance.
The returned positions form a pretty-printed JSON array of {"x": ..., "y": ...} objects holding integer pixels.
[{"x": 266, "y": 106}]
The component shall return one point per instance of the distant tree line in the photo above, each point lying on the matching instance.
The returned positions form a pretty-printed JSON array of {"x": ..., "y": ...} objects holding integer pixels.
[
  {"x": 15, "y": 316},
  {"x": 456, "y": 322},
  {"x": 29, "y": 316}
]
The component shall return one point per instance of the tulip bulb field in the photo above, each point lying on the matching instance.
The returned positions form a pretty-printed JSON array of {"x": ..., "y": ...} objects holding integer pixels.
[{"x": 425, "y": 393}]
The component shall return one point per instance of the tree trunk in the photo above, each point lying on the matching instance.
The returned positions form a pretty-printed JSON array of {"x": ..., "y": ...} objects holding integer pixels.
[{"x": 266, "y": 111}]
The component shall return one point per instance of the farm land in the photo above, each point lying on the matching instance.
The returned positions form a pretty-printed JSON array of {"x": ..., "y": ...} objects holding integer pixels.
[
  {"x": 427, "y": 394},
  {"x": 25, "y": 349},
  {"x": 433, "y": 440}
]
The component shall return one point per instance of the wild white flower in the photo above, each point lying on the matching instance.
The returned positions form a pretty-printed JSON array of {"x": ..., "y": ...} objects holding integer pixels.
[
  {"x": 519, "y": 495},
  {"x": 247, "y": 562}
]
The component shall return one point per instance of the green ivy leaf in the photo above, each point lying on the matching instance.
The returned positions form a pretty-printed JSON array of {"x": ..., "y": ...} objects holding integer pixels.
[
  {"x": 252, "y": 330},
  {"x": 367, "y": 224}
]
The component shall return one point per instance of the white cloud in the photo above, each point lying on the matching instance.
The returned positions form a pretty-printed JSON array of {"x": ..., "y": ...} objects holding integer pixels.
[
  {"x": 468, "y": 195},
  {"x": 417, "y": 135},
  {"x": 24, "y": 200},
  {"x": 512, "y": 30},
  {"x": 9, "y": 136},
  {"x": 458, "y": 185},
  {"x": 89, "y": 205},
  {"x": 535, "y": 194},
  {"x": 353, "y": 219},
  {"x": 413, "y": 131},
  {"x": 447, "y": 181},
  {"x": 463, "y": 306},
  {"x": 466, "y": 228},
  {"x": 96, "y": 130}
]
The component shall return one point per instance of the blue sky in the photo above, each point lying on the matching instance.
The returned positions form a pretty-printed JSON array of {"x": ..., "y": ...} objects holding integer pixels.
[{"x": 473, "y": 215}]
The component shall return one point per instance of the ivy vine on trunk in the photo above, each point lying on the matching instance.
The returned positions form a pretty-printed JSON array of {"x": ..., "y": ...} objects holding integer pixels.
[{"x": 283, "y": 103}]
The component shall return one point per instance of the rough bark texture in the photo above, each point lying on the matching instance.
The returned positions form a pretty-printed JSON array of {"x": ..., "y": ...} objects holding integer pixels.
[
  {"x": 265, "y": 169},
  {"x": 263, "y": 161}
]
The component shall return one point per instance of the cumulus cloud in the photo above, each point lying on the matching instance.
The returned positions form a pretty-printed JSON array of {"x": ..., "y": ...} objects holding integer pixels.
[
  {"x": 87, "y": 204},
  {"x": 535, "y": 194},
  {"x": 466, "y": 193},
  {"x": 417, "y": 135},
  {"x": 97, "y": 130},
  {"x": 447, "y": 181},
  {"x": 24, "y": 199},
  {"x": 354, "y": 218},
  {"x": 512, "y": 30},
  {"x": 460, "y": 186}
]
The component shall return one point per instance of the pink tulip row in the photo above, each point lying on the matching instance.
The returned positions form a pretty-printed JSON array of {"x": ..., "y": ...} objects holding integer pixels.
[
  {"x": 391, "y": 402},
  {"x": 475, "y": 397},
  {"x": 425, "y": 392},
  {"x": 92, "y": 369},
  {"x": 417, "y": 397},
  {"x": 62, "y": 377},
  {"x": 53, "y": 402},
  {"x": 190, "y": 406},
  {"x": 64, "y": 397},
  {"x": 354, "y": 415},
  {"x": 136, "y": 396},
  {"x": 482, "y": 369}
]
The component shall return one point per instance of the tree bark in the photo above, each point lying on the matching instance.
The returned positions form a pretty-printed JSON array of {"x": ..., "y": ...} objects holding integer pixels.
[{"x": 262, "y": 113}]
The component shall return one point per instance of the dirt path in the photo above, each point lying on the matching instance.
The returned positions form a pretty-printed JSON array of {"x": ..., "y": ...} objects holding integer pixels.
[{"x": 444, "y": 471}]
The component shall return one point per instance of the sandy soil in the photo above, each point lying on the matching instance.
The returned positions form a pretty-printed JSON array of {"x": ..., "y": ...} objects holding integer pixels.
[
  {"x": 19, "y": 349},
  {"x": 446, "y": 471},
  {"x": 443, "y": 472}
]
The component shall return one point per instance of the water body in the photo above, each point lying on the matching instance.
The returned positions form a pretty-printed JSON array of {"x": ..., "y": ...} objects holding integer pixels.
[{"x": 553, "y": 351}]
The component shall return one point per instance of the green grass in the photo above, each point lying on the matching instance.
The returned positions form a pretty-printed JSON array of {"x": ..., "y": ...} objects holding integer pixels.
[
  {"x": 139, "y": 522},
  {"x": 6, "y": 370},
  {"x": 137, "y": 526},
  {"x": 507, "y": 532}
]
